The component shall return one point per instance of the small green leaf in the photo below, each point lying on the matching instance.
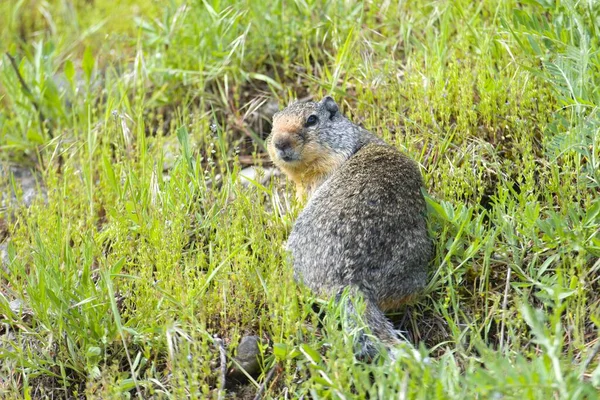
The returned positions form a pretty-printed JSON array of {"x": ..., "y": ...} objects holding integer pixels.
[
  {"x": 266, "y": 79},
  {"x": 595, "y": 377},
  {"x": 592, "y": 215},
  {"x": 311, "y": 354},
  {"x": 34, "y": 136},
  {"x": 280, "y": 350},
  {"x": 93, "y": 351},
  {"x": 110, "y": 173},
  {"x": 435, "y": 208},
  {"x": 116, "y": 268},
  {"x": 69, "y": 71},
  {"x": 95, "y": 372},
  {"x": 127, "y": 384},
  {"x": 184, "y": 140},
  {"x": 88, "y": 63}
]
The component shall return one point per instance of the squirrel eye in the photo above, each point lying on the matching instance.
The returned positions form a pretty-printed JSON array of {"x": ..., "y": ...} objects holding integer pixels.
[{"x": 312, "y": 120}]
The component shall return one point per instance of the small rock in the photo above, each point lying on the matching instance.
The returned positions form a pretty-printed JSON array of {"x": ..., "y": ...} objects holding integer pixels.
[
  {"x": 260, "y": 119},
  {"x": 21, "y": 310},
  {"x": 16, "y": 306},
  {"x": 270, "y": 108},
  {"x": 28, "y": 182},
  {"x": 171, "y": 153},
  {"x": 252, "y": 173},
  {"x": 248, "y": 353},
  {"x": 4, "y": 256}
]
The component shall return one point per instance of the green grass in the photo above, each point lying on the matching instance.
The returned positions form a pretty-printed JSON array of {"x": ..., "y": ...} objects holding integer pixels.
[{"x": 145, "y": 246}]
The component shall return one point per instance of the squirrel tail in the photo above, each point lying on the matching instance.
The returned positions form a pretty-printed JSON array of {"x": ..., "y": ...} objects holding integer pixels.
[{"x": 368, "y": 315}]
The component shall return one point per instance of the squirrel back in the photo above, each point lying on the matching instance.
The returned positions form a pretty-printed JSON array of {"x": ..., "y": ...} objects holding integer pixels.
[{"x": 363, "y": 228}]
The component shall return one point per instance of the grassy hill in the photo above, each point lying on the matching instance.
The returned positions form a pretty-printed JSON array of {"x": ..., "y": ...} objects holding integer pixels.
[{"x": 133, "y": 257}]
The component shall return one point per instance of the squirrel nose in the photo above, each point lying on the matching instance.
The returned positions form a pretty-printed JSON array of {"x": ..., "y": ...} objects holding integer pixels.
[{"x": 282, "y": 144}]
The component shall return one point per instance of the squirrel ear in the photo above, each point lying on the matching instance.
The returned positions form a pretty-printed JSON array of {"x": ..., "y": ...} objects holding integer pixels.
[{"x": 329, "y": 104}]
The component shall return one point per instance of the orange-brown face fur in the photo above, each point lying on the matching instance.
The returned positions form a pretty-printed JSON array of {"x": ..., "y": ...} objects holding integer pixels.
[{"x": 316, "y": 161}]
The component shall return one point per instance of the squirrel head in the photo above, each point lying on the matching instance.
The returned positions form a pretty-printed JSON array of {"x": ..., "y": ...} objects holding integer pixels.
[
  {"x": 309, "y": 140},
  {"x": 298, "y": 125}
]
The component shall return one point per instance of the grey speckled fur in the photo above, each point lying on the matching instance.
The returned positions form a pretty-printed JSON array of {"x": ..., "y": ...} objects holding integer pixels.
[{"x": 364, "y": 227}]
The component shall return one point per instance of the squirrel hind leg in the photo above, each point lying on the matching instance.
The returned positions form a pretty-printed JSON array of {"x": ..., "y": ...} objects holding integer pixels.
[{"x": 361, "y": 315}]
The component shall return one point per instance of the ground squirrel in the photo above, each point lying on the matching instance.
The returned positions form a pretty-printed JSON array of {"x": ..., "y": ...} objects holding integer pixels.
[{"x": 363, "y": 227}]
